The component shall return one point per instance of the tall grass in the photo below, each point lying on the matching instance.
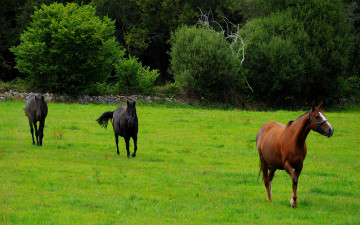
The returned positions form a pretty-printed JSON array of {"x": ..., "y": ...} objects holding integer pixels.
[{"x": 193, "y": 166}]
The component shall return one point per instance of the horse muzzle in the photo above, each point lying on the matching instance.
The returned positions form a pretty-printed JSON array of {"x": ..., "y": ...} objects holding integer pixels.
[
  {"x": 329, "y": 132},
  {"x": 131, "y": 123}
]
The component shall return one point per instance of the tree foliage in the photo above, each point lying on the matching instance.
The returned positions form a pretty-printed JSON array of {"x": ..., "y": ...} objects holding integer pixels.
[
  {"x": 15, "y": 16},
  {"x": 314, "y": 44},
  {"x": 134, "y": 78},
  {"x": 300, "y": 54},
  {"x": 67, "y": 48},
  {"x": 202, "y": 62},
  {"x": 145, "y": 26}
]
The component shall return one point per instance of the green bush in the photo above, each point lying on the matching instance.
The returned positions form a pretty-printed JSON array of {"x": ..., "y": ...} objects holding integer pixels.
[
  {"x": 299, "y": 55},
  {"x": 352, "y": 87},
  {"x": 18, "y": 84},
  {"x": 202, "y": 63},
  {"x": 273, "y": 61},
  {"x": 134, "y": 78},
  {"x": 67, "y": 49},
  {"x": 169, "y": 89}
]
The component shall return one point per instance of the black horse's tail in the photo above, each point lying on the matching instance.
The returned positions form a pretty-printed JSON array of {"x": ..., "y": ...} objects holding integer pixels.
[{"x": 104, "y": 118}]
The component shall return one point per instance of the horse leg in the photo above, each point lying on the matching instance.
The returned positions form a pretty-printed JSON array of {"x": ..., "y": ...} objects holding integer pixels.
[
  {"x": 271, "y": 176},
  {"x": 36, "y": 134},
  {"x": 117, "y": 143},
  {"x": 294, "y": 177},
  {"x": 41, "y": 131},
  {"x": 127, "y": 141},
  {"x": 264, "y": 169},
  {"x": 135, "y": 145},
  {"x": 32, "y": 132},
  {"x": 294, "y": 196}
]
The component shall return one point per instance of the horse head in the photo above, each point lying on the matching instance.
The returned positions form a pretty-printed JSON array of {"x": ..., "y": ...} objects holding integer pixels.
[
  {"x": 318, "y": 121},
  {"x": 131, "y": 113},
  {"x": 39, "y": 106}
]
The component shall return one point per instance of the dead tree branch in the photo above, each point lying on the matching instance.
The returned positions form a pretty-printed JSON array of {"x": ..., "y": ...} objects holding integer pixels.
[{"x": 232, "y": 34}]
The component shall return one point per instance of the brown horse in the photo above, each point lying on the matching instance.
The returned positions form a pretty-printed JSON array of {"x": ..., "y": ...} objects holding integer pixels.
[{"x": 284, "y": 148}]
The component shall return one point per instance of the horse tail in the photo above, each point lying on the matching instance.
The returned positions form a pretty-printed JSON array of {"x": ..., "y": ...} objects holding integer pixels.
[
  {"x": 258, "y": 137},
  {"x": 104, "y": 118},
  {"x": 259, "y": 167}
]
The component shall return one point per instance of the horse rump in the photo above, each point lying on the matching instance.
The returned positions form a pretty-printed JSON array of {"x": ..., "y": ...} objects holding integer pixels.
[{"x": 104, "y": 118}]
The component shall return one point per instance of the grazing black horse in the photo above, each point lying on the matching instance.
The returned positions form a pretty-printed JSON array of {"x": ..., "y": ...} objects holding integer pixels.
[
  {"x": 125, "y": 124},
  {"x": 36, "y": 110}
]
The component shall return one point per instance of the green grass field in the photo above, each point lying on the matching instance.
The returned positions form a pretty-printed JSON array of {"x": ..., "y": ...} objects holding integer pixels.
[{"x": 193, "y": 166}]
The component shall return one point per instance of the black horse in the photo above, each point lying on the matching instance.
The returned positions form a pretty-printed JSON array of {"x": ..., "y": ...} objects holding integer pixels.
[
  {"x": 36, "y": 110},
  {"x": 125, "y": 124}
]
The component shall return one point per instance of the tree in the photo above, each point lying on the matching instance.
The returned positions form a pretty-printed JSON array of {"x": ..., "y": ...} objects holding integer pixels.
[
  {"x": 145, "y": 26},
  {"x": 300, "y": 54},
  {"x": 134, "y": 78},
  {"x": 202, "y": 63},
  {"x": 125, "y": 13},
  {"x": 328, "y": 54},
  {"x": 14, "y": 18},
  {"x": 67, "y": 49}
]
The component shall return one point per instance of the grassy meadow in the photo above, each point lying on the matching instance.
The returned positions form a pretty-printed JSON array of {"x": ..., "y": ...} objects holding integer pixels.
[{"x": 193, "y": 166}]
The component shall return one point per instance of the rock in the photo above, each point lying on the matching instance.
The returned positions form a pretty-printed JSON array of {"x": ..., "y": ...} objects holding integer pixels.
[
  {"x": 148, "y": 100},
  {"x": 84, "y": 99},
  {"x": 168, "y": 99}
]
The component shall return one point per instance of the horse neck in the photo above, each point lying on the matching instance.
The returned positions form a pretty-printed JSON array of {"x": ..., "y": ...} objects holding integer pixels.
[{"x": 301, "y": 128}]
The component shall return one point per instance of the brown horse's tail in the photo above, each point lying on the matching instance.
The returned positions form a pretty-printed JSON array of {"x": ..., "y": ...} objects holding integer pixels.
[
  {"x": 259, "y": 166},
  {"x": 258, "y": 137},
  {"x": 104, "y": 118}
]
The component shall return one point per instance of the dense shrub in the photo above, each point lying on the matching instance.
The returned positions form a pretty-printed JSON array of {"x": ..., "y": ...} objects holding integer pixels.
[
  {"x": 202, "y": 63},
  {"x": 273, "y": 59},
  {"x": 352, "y": 87},
  {"x": 18, "y": 85},
  {"x": 67, "y": 49},
  {"x": 299, "y": 55},
  {"x": 134, "y": 78}
]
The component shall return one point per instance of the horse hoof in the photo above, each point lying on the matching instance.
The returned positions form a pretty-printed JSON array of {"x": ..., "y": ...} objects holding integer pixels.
[
  {"x": 133, "y": 155},
  {"x": 293, "y": 203}
]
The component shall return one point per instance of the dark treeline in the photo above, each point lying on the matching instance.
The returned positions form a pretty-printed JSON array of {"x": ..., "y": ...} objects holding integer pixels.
[
  {"x": 143, "y": 27},
  {"x": 296, "y": 52}
]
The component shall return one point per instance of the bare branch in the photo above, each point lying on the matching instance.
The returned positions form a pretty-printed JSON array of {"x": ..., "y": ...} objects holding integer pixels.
[{"x": 237, "y": 42}]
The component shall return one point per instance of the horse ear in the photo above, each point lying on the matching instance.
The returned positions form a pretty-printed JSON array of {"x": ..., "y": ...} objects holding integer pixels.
[
  {"x": 313, "y": 106},
  {"x": 42, "y": 97},
  {"x": 134, "y": 103},
  {"x": 127, "y": 102},
  {"x": 320, "y": 105}
]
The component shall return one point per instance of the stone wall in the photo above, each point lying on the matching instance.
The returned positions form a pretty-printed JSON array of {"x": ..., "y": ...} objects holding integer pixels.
[{"x": 84, "y": 99}]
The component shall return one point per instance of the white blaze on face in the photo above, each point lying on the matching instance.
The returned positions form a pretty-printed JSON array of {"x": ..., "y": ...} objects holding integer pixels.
[{"x": 323, "y": 119}]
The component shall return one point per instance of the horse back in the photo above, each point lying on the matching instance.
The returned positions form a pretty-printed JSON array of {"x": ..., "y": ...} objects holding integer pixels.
[
  {"x": 272, "y": 128},
  {"x": 119, "y": 111}
]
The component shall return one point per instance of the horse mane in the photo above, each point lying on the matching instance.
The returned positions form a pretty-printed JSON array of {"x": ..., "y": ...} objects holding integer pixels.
[{"x": 291, "y": 121}]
